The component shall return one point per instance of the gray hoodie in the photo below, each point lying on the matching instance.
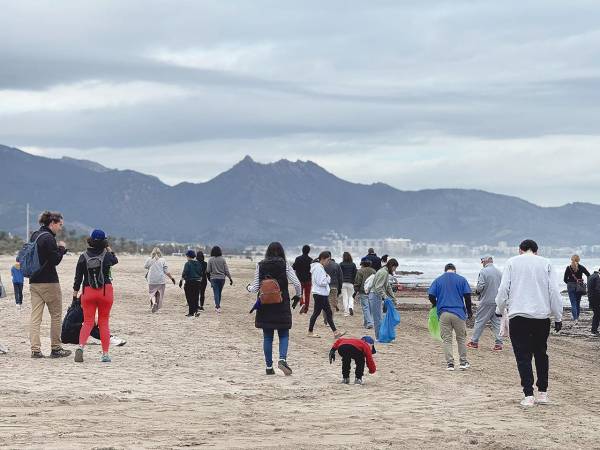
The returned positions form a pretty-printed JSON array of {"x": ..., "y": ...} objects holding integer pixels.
[{"x": 488, "y": 284}]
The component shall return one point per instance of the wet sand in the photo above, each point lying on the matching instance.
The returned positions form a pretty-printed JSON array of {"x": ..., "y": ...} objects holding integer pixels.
[{"x": 200, "y": 383}]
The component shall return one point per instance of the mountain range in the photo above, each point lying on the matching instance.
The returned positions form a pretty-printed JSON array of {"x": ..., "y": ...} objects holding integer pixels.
[{"x": 254, "y": 203}]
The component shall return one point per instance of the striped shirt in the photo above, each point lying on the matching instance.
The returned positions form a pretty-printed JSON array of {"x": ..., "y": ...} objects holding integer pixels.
[{"x": 291, "y": 276}]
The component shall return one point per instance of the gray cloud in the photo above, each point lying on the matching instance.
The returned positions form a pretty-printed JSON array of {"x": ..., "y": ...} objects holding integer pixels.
[{"x": 332, "y": 81}]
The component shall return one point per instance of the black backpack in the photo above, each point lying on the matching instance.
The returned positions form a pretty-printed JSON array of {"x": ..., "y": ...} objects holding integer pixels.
[{"x": 95, "y": 269}]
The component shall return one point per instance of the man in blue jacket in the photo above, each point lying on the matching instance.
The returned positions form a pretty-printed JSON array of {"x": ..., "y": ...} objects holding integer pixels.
[{"x": 451, "y": 294}]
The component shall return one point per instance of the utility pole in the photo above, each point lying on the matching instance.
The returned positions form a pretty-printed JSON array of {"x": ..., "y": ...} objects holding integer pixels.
[{"x": 27, "y": 235}]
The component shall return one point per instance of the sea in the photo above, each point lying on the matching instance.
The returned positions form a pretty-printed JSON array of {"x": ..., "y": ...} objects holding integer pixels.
[{"x": 470, "y": 268}]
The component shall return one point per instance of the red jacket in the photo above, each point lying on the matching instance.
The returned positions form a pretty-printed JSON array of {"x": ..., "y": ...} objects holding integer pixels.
[{"x": 360, "y": 345}]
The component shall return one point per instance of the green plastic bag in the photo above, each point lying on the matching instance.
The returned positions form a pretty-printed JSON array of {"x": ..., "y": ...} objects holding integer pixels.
[{"x": 434, "y": 324}]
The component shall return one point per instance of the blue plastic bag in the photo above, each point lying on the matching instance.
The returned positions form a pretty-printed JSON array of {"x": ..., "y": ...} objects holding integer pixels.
[{"x": 387, "y": 330}]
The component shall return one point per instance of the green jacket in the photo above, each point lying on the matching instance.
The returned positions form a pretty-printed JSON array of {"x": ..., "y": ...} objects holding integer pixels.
[
  {"x": 192, "y": 271},
  {"x": 361, "y": 276},
  {"x": 381, "y": 284}
]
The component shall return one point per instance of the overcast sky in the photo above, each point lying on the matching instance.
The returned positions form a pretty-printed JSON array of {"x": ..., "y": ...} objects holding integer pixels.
[{"x": 502, "y": 96}]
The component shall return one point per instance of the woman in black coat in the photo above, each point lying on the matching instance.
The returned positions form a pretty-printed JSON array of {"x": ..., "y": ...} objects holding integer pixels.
[{"x": 276, "y": 316}]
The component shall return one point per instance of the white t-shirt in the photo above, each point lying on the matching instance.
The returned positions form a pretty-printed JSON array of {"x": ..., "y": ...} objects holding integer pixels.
[{"x": 157, "y": 268}]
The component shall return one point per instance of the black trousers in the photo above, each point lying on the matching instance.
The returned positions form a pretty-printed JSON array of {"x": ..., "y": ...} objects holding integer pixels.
[
  {"x": 529, "y": 339},
  {"x": 203, "y": 284},
  {"x": 596, "y": 318},
  {"x": 192, "y": 294},
  {"x": 321, "y": 304},
  {"x": 349, "y": 353}
]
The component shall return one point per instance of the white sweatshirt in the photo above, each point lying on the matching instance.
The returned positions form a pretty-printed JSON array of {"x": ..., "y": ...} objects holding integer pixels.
[
  {"x": 320, "y": 279},
  {"x": 529, "y": 288}
]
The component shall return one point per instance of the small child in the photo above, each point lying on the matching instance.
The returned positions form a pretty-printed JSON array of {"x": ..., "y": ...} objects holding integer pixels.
[
  {"x": 358, "y": 350},
  {"x": 18, "y": 280}
]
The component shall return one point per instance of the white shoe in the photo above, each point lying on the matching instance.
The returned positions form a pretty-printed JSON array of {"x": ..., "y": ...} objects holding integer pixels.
[
  {"x": 528, "y": 402},
  {"x": 93, "y": 341},
  {"x": 542, "y": 398},
  {"x": 117, "y": 341},
  {"x": 3, "y": 350}
]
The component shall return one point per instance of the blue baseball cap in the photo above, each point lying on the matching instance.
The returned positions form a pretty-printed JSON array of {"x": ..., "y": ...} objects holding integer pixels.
[
  {"x": 369, "y": 340},
  {"x": 190, "y": 254},
  {"x": 98, "y": 235}
]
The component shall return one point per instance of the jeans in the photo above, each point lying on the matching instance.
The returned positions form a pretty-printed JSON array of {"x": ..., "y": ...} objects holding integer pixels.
[
  {"x": 321, "y": 304},
  {"x": 486, "y": 313},
  {"x": 349, "y": 353},
  {"x": 367, "y": 317},
  {"x": 375, "y": 305},
  {"x": 575, "y": 299},
  {"x": 529, "y": 339},
  {"x": 18, "y": 293},
  {"x": 284, "y": 339},
  {"x": 217, "y": 287}
]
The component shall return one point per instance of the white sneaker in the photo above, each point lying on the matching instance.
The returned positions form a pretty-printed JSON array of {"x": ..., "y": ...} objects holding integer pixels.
[
  {"x": 3, "y": 350},
  {"x": 542, "y": 398},
  {"x": 528, "y": 402},
  {"x": 93, "y": 341},
  {"x": 117, "y": 341}
]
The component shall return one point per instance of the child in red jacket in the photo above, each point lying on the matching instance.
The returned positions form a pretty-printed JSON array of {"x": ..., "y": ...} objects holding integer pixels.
[{"x": 358, "y": 350}]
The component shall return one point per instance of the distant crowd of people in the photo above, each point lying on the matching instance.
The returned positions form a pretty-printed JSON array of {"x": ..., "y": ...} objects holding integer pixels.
[{"x": 519, "y": 302}]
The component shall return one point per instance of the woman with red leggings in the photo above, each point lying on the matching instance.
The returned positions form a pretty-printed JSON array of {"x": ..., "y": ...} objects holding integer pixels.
[{"x": 93, "y": 270}]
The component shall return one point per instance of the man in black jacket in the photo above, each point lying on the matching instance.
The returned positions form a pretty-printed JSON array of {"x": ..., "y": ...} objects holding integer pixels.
[
  {"x": 375, "y": 260},
  {"x": 594, "y": 299},
  {"x": 45, "y": 287},
  {"x": 302, "y": 268}
]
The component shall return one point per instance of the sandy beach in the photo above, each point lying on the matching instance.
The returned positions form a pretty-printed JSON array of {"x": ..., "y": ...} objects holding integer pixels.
[{"x": 200, "y": 383}]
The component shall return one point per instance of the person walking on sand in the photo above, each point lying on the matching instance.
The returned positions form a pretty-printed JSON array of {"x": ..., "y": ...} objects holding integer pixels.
[
  {"x": 375, "y": 260},
  {"x": 204, "y": 280},
  {"x": 192, "y": 275},
  {"x": 529, "y": 290},
  {"x": 381, "y": 290},
  {"x": 594, "y": 299},
  {"x": 321, "y": 288},
  {"x": 44, "y": 284},
  {"x": 302, "y": 267},
  {"x": 157, "y": 270},
  {"x": 94, "y": 271},
  {"x": 278, "y": 315},
  {"x": 450, "y": 293},
  {"x": 348, "y": 277},
  {"x": 487, "y": 289},
  {"x": 335, "y": 285},
  {"x": 362, "y": 275},
  {"x": 217, "y": 272},
  {"x": 575, "y": 285},
  {"x": 18, "y": 281}
]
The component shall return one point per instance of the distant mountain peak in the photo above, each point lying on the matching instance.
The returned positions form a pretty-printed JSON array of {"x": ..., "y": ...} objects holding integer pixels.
[{"x": 86, "y": 164}]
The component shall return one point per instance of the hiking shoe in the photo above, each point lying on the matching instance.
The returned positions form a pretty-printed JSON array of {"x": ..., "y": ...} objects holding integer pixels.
[
  {"x": 450, "y": 367},
  {"x": 105, "y": 359},
  {"x": 497, "y": 348},
  {"x": 528, "y": 402},
  {"x": 270, "y": 371},
  {"x": 37, "y": 355},
  {"x": 464, "y": 366},
  {"x": 283, "y": 366},
  {"x": 358, "y": 381},
  {"x": 351, "y": 311},
  {"x": 473, "y": 345},
  {"x": 60, "y": 353},
  {"x": 345, "y": 380},
  {"x": 542, "y": 398},
  {"x": 79, "y": 355}
]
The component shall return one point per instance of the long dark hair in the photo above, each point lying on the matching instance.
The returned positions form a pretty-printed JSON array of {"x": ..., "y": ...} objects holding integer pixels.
[
  {"x": 200, "y": 256},
  {"x": 99, "y": 244},
  {"x": 216, "y": 251},
  {"x": 275, "y": 250},
  {"x": 347, "y": 258}
]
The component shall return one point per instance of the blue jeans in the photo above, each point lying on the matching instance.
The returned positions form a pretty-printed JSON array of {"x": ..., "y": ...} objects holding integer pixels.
[
  {"x": 375, "y": 306},
  {"x": 367, "y": 317},
  {"x": 284, "y": 339},
  {"x": 217, "y": 287},
  {"x": 575, "y": 299}
]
